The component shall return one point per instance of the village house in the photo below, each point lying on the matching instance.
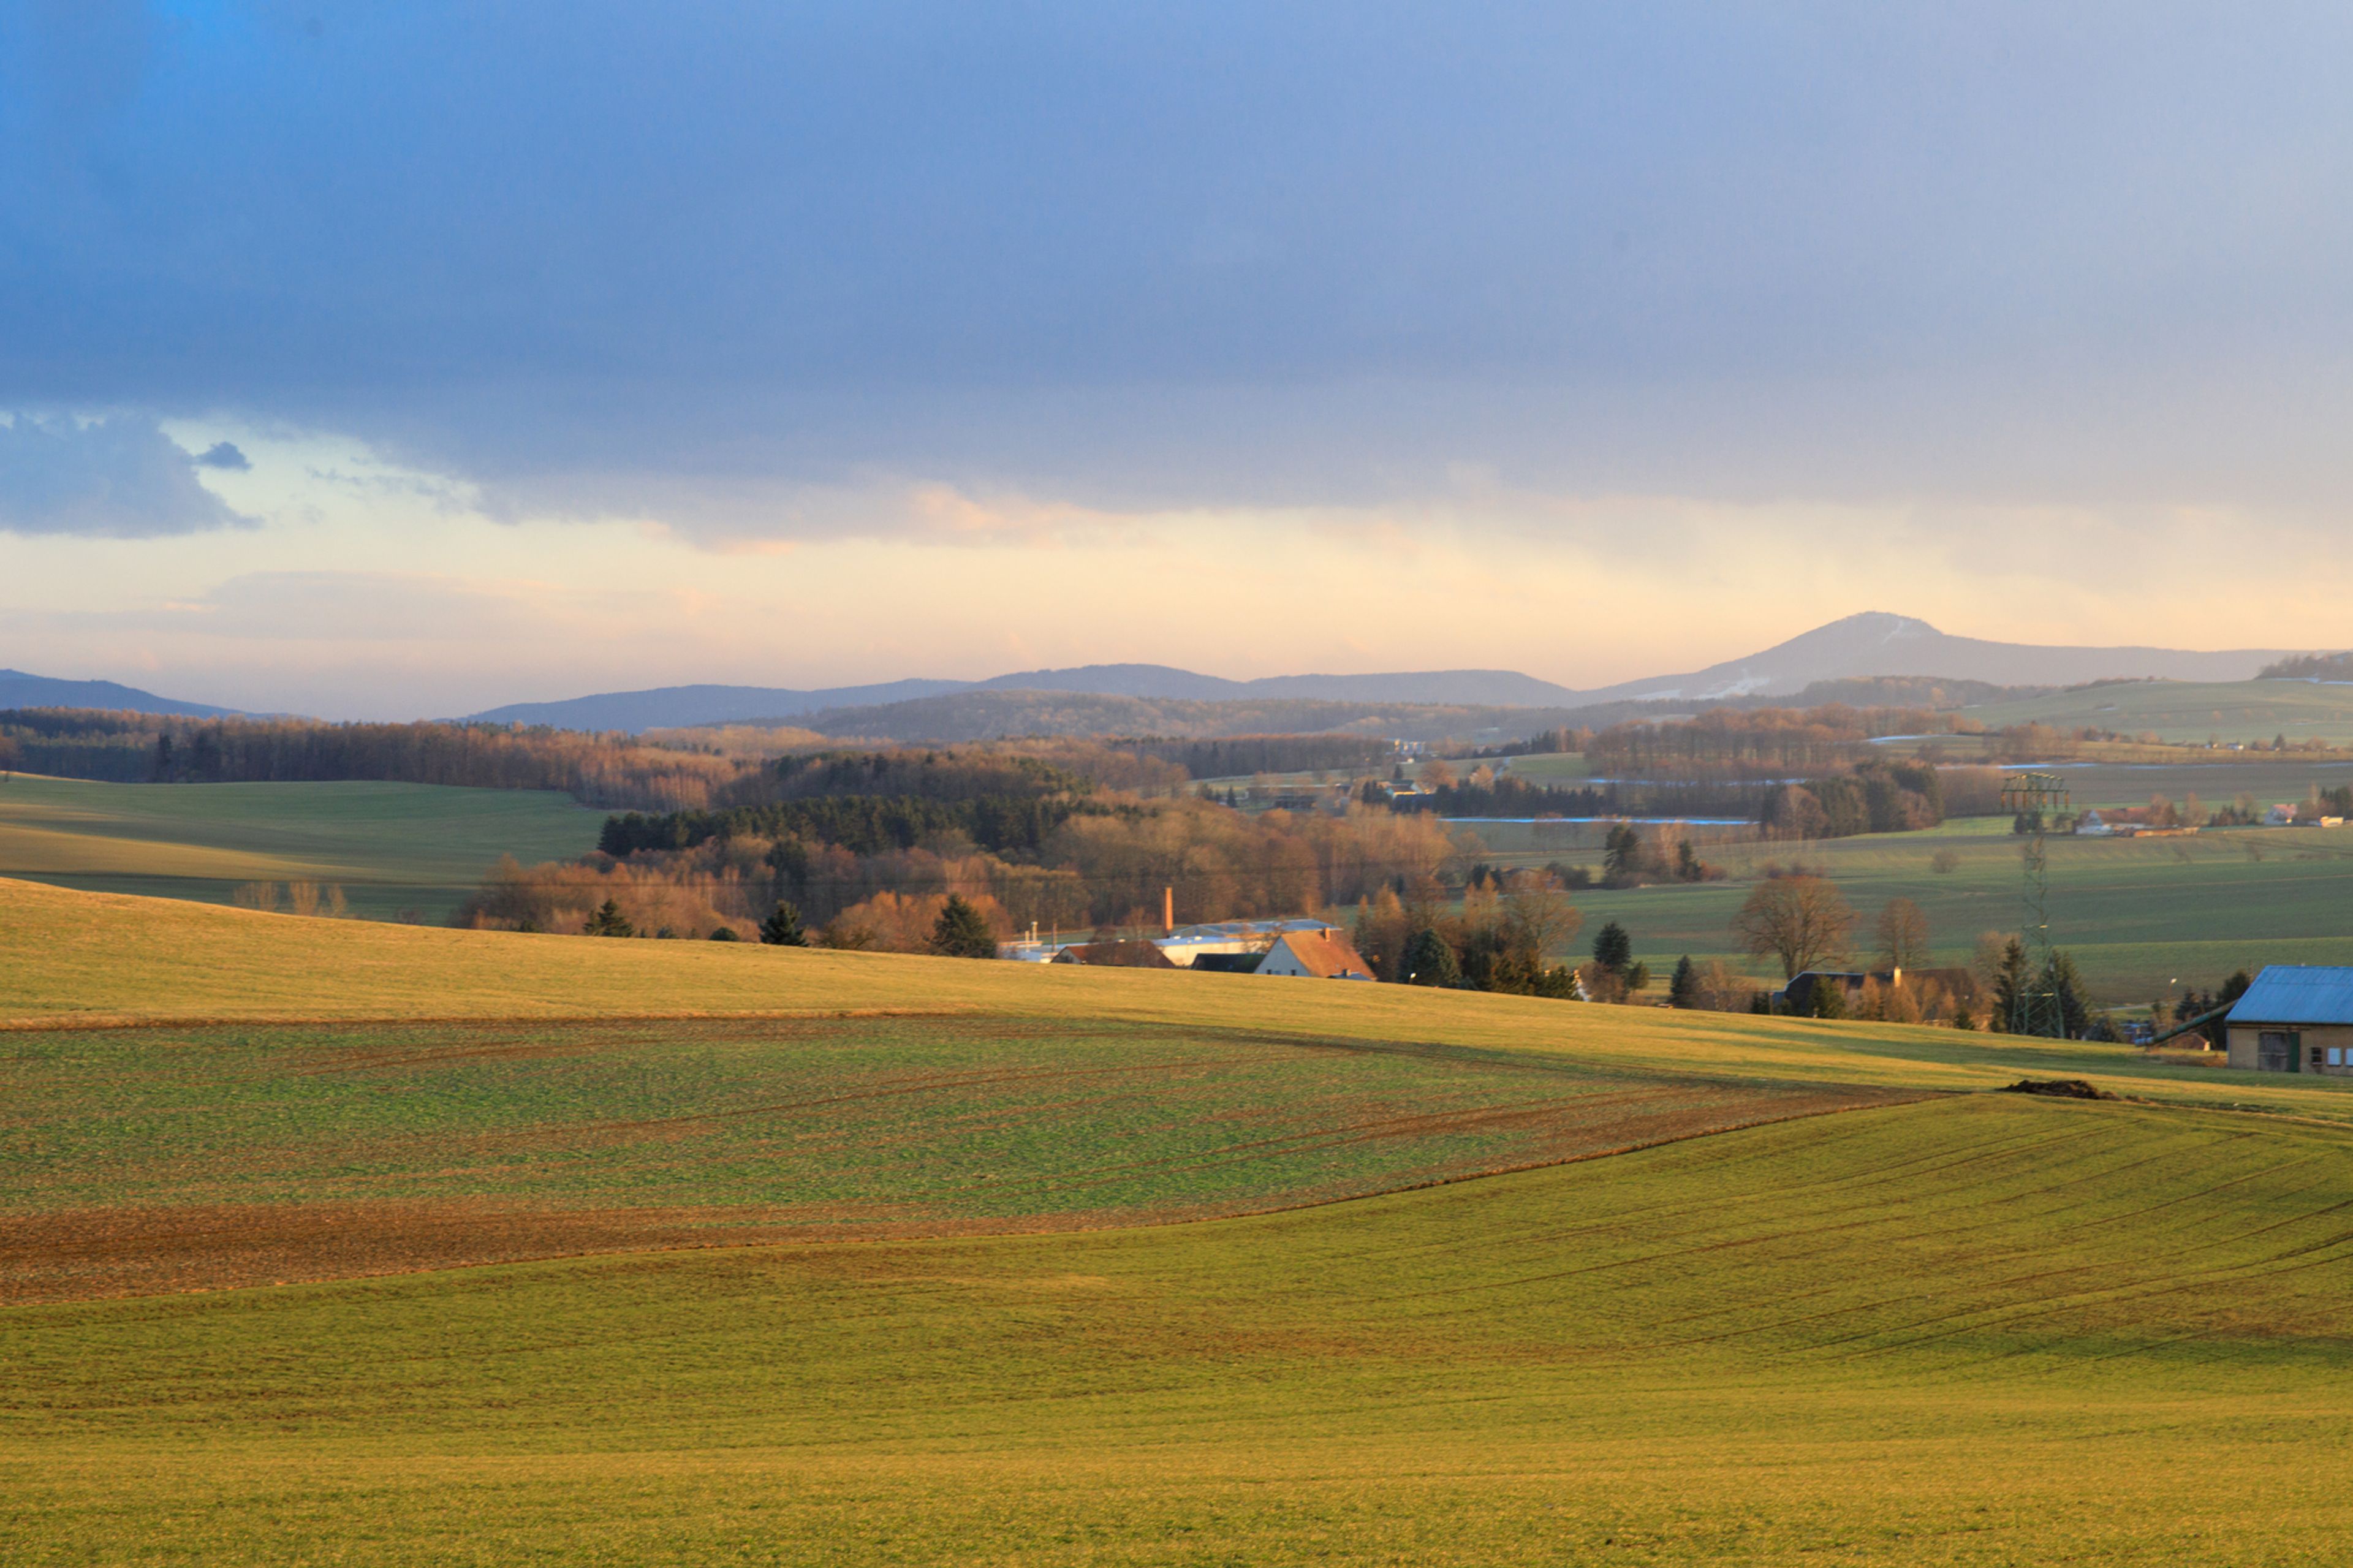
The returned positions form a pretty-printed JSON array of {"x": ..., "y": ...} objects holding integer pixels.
[
  {"x": 1323, "y": 954},
  {"x": 2127, "y": 822},
  {"x": 1326, "y": 956},
  {"x": 1115, "y": 955},
  {"x": 2295, "y": 1017},
  {"x": 1946, "y": 985}
]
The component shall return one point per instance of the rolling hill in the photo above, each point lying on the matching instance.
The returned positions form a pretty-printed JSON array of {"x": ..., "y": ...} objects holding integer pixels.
[
  {"x": 389, "y": 847},
  {"x": 1879, "y": 643},
  {"x": 18, "y": 690},
  {"x": 1936, "y": 1327},
  {"x": 1858, "y": 647}
]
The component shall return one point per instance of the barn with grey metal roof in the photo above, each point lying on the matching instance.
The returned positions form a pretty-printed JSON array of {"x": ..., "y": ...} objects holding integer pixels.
[{"x": 2295, "y": 1017}]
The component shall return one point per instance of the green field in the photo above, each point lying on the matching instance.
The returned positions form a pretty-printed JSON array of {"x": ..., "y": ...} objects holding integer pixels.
[
  {"x": 392, "y": 848},
  {"x": 1936, "y": 1327},
  {"x": 1968, "y": 1331},
  {"x": 2190, "y": 712},
  {"x": 2135, "y": 913},
  {"x": 129, "y": 1163}
]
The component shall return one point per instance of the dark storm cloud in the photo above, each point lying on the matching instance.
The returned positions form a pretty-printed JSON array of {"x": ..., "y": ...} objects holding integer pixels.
[
  {"x": 1269, "y": 251},
  {"x": 120, "y": 478}
]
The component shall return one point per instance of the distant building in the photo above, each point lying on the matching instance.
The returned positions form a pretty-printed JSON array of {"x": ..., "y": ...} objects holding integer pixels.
[
  {"x": 1797, "y": 996},
  {"x": 2280, "y": 816},
  {"x": 1321, "y": 956},
  {"x": 1187, "y": 945},
  {"x": 2295, "y": 1017},
  {"x": 1115, "y": 955},
  {"x": 2127, "y": 822}
]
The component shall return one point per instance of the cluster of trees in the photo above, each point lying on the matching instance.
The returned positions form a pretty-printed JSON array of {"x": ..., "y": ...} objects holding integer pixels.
[
  {"x": 2309, "y": 667},
  {"x": 1736, "y": 741},
  {"x": 863, "y": 825},
  {"x": 1484, "y": 794},
  {"x": 950, "y": 926},
  {"x": 2016, "y": 982},
  {"x": 2196, "y": 1006},
  {"x": 1499, "y": 941},
  {"x": 1543, "y": 743},
  {"x": 1235, "y": 756},
  {"x": 1879, "y": 795},
  {"x": 1710, "y": 987},
  {"x": 1104, "y": 867},
  {"x": 131, "y": 748},
  {"x": 1657, "y": 852}
]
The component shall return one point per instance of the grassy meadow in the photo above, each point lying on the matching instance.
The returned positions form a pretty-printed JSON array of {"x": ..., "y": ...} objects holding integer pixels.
[
  {"x": 969, "y": 1313},
  {"x": 1970, "y": 1331},
  {"x": 131, "y": 1163},
  {"x": 2192, "y": 712},
  {"x": 392, "y": 848},
  {"x": 2135, "y": 913}
]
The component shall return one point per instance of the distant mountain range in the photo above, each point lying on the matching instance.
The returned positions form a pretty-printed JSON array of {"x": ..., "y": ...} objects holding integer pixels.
[
  {"x": 1857, "y": 648},
  {"x": 18, "y": 690},
  {"x": 1876, "y": 643},
  {"x": 673, "y": 707},
  {"x": 1860, "y": 647}
]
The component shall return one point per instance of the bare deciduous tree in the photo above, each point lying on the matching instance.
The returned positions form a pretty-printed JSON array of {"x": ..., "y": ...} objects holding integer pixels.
[
  {"x": 1804, "y": 921},
  {"x": 1538, "y": 916},
  {"x": 1903, "y": 935}
]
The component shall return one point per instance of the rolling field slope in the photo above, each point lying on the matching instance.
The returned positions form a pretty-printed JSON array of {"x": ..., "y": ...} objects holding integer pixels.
[
  {"x": 2135, "y": 913},
  {"x": 142, "y": 1160},
  {"x": 92, "y": 961},
  {"x": 2191, "y": 711},
  {"x": 390, "y": 847},
  {"x": 1966, "y": 1331},
  {"x": 1940, "y": 1327}
]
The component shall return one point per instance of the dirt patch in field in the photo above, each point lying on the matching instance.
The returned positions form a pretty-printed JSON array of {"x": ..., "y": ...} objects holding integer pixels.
[{"x": 82, "y": 1254}]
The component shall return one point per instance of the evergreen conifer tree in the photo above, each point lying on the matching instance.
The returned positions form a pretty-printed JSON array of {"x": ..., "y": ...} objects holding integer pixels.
[
  {"x": 962, "y": 930},
  {"x": 1683, "y": 991},
  {"x": 2062, "y": 979},
  {"x": 1430, "y": 961},
  {"x": 783, "y": 928},
  {"x": 1613, "y": 949},
  {"x": 609, "y": 920}
]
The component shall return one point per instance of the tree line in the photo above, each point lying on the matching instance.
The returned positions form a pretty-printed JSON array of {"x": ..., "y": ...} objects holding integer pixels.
[
  {"x": 1486, "y": 795},
  {"x": 1726, "y": 741},
  {"x": 138, "y": 748},
  {"x": 1880, "y": 795},
  {"x": 1100, "y": 867}
]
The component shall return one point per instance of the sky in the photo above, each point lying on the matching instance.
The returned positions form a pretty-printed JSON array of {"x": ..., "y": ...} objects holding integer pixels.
[{"x": 377, "y": 360}]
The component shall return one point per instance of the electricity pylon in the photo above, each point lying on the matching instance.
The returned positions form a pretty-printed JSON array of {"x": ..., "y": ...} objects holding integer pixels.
[{"x": 2035, "y": 1010}]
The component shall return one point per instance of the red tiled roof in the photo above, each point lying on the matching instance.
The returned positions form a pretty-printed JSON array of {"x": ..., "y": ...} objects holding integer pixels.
[{"x": 1324, "y": 956}]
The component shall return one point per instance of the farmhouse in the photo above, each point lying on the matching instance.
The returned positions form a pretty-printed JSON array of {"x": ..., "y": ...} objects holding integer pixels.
[
  {"x": 1188, "y": 945},
  {"x": 2295, "y": 1017},
  {"x": 1115, "y": 955},
  {"x": 1947, "y": 985},
  {"x": 1326, "y": 955},
  {"x": 2129, "y": 822},
  {"x": 1319, "y": 954}
]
